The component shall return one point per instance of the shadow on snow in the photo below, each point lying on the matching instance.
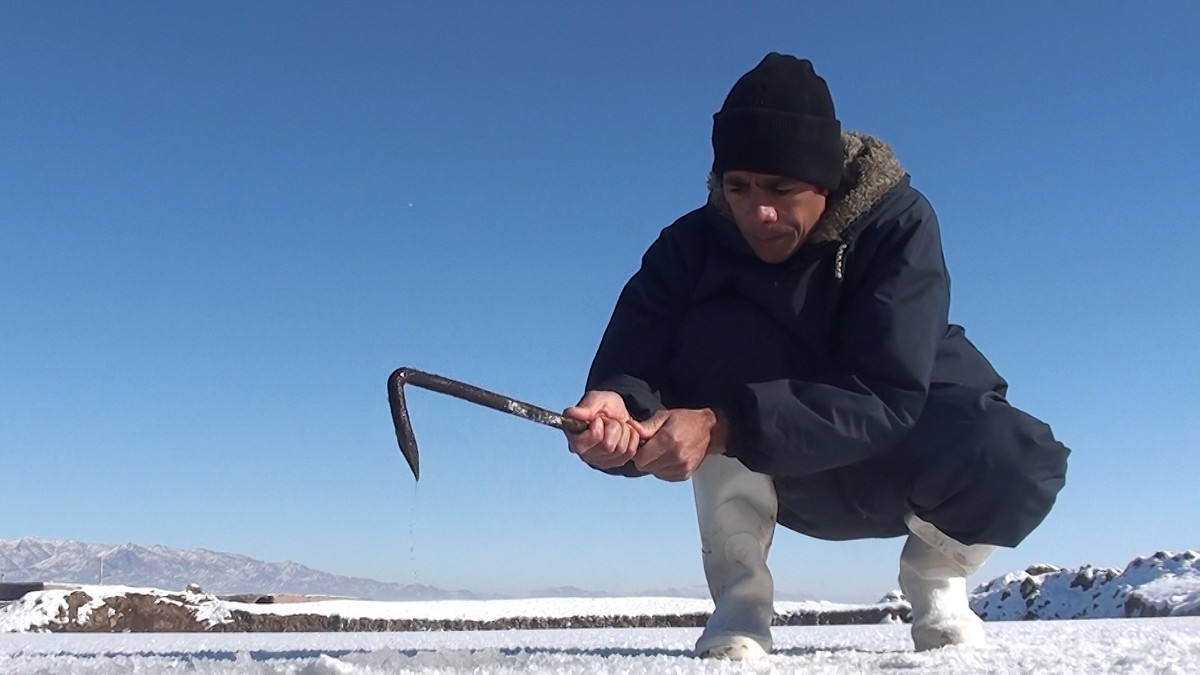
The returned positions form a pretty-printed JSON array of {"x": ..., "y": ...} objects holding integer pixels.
[{"x": 259, "y": 655}]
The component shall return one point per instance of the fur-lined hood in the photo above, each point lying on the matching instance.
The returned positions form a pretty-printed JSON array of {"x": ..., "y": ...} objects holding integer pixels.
[{"x": 870, "y": 170}]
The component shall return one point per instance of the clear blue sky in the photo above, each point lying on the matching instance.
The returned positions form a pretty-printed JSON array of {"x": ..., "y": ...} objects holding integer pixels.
[{"x": 223, "y": 224}]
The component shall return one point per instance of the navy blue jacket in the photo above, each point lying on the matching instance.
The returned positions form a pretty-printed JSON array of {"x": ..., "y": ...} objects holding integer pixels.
[{"x": 819, "y": 362}]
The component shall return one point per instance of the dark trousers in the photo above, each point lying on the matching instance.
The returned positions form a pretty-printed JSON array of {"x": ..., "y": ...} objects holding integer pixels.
[{"x": 980, "y": 470}]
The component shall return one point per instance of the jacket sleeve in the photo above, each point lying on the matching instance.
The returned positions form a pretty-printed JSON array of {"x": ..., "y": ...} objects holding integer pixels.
[
  {"x": 633, "y": 353},
  {"x": 892, "y": 314}
]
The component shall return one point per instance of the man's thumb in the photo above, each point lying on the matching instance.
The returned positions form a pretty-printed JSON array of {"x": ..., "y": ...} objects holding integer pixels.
[
  {"x": 649, "y": 427},
  {"x": 579, "y": 413}
]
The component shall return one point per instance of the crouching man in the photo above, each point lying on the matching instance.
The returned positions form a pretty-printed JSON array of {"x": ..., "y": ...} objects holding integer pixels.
[{"x": 787, "y": 348}]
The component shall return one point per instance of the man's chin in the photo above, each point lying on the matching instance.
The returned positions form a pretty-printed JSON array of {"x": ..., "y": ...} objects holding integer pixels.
[{"x": 773, "y": 254}]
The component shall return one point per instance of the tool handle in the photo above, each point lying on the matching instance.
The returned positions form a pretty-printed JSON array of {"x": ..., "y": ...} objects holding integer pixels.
[{"x": 490, "y": 399}]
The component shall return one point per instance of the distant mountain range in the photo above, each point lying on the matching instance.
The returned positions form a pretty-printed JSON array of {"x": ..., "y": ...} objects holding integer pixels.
[
  {"x": 66, "y": 561},
  {"x": 33, "y": 559}
]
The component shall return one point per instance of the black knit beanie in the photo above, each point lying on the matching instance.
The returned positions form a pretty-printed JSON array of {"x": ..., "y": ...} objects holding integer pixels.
[{"x": 779, "y": 119}]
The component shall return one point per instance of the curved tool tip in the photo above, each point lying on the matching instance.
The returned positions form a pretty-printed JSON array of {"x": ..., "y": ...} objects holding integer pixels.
[{"x": 401, "y": 422}]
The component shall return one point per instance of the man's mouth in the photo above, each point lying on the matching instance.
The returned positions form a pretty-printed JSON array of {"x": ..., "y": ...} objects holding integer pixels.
[{"x": 770, "y": 237}]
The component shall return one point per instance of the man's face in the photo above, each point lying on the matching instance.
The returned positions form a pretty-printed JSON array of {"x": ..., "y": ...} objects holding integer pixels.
[{"x": 774, "y": 214}]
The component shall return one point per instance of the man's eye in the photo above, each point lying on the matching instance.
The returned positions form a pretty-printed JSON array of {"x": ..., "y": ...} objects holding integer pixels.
[{"x": 735, "y": 188}]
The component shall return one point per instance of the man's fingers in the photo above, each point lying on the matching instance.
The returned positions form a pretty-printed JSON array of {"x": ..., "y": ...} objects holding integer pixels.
[
  {"x": 600, "y": 460},
  {"x": 667, "y": 466},
  {"x": 648, "y": 427},
  {"x": 641, "y": 428},
  {"x": 595, "y": 403},
  {"x": 586, "y": 439},
  {"x": 611, "y": 435},
  {"x": 660, "y": 456},
  {"x": 666, "y": 445},
  {"x": 603, "y": 459},
  {"x": 661, "y": 463},
  {"x": 649, "y": 453},
  {"x": 606, "y": 443},
  {"x": 633, "y": 440}
]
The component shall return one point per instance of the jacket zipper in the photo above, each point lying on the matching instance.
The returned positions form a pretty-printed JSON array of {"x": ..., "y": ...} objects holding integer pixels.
[{"x": 839, "y": 261}]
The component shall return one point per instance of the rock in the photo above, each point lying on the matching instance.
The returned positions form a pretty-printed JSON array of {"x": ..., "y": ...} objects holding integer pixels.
[{"x": 130, "y": 612}]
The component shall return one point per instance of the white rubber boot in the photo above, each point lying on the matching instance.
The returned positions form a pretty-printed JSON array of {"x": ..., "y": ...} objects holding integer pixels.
[
  {"x": 736, "y": 510},
  {"x": 933, "y": 576}
]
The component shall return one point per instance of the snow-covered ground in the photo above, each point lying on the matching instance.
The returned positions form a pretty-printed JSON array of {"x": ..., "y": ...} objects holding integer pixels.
[
  {"x": 1165, "y": 585},
  {"x": 1162, "y": 645},
  {"x": 38, "y": 611},
  {"x": 1161, "y": 585}
]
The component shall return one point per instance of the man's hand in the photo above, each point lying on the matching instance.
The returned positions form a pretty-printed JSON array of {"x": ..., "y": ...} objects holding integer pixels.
[
  {"x": 611, "y": 439},
  {"x": 678, "y": 441}
]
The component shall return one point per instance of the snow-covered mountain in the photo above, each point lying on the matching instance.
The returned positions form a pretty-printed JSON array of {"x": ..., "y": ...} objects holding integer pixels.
[
  {"x": 66, "y": 561},
  {"x": 33, "y": 559}
]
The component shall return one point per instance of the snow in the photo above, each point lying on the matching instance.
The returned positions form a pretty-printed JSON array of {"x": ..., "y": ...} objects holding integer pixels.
[
  {"x": 1164, "y": 583},
  {"x": 491, "y": 610},
  {"x": 1160, "y": 645},
  {"x": 37, "y": 610},
  {"x": 34, "y": 611}
]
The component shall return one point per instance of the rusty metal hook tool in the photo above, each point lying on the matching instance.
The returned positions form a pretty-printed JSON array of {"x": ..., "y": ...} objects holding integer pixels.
[{"x": 466, "y": 392}]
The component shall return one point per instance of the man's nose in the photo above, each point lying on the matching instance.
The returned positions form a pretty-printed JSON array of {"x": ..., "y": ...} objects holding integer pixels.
[{"x": 765, "y": 213}]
